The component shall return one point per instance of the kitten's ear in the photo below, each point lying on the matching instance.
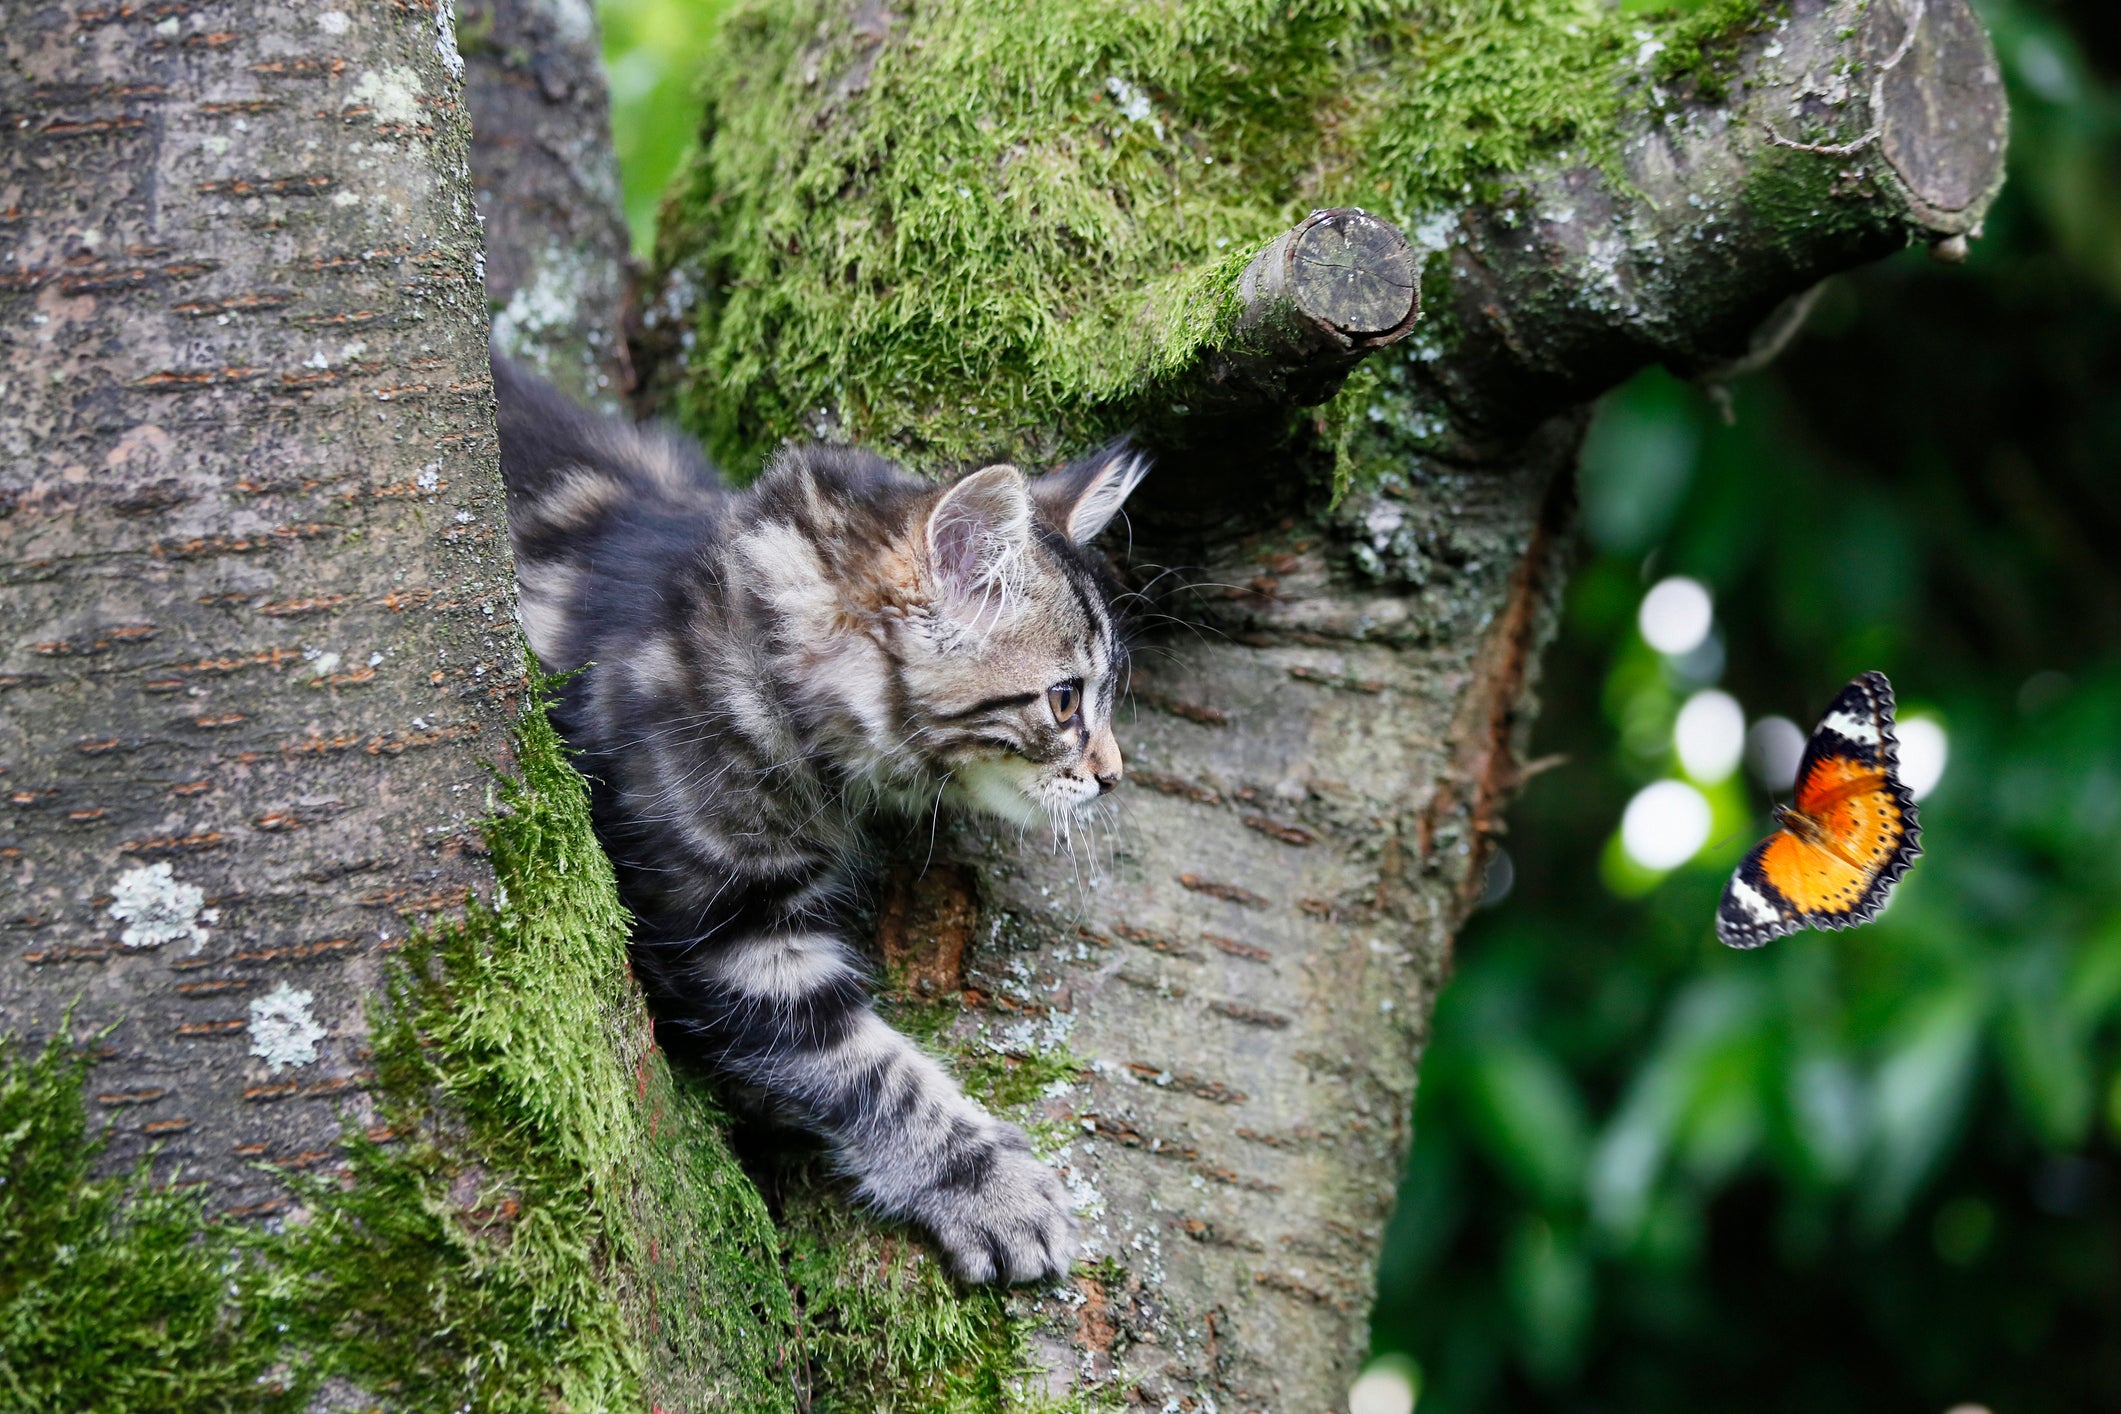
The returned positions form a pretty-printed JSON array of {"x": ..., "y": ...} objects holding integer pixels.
[
  {"x": 979, "y": 528},
  {"x": 1081, "y": 499}
]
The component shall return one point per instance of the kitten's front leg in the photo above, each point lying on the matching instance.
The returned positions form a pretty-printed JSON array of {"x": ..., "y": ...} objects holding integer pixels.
[{"x": 788, "y": 1014}]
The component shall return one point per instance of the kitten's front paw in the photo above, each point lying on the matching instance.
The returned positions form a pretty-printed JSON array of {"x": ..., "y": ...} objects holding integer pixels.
[{"x": 1001, "y": 1215}]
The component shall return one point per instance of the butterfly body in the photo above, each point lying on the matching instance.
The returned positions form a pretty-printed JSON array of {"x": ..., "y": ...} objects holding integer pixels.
[{"x": 1843, "y": 842}]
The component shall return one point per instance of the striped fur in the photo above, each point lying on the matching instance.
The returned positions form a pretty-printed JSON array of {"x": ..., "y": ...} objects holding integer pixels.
[{"x": 765, "y": 672}]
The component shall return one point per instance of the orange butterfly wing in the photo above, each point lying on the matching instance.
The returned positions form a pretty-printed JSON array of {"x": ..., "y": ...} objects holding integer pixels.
[{"x": 1863, "y": 836}]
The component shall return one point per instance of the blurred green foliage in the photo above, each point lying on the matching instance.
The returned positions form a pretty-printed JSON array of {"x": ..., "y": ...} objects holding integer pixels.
[
  {"x": 1871, "y": 1170},
  {"x": 654, "y": 51},
  {"x": 1858, "y": 1171}
]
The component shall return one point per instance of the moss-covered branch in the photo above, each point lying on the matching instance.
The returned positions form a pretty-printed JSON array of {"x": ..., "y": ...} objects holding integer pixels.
[
  {"x": 1771, "y": 145},
  {"x": 976, "y": 227}
]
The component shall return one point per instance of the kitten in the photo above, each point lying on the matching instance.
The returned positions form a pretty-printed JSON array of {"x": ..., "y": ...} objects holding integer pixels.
[{"x": 766, "y": 671}]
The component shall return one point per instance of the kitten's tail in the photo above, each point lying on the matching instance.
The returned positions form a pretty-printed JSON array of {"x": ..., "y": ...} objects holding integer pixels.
[{"x": 548, "y": 442}]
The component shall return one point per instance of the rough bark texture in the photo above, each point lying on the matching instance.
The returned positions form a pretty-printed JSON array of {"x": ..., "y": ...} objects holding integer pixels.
[
  {"x": 257, "y": 638},
  {"x": 1250, "y": 979},
  {"x": 557, "y": 266},
  {"x": 1230, "y": 996}
]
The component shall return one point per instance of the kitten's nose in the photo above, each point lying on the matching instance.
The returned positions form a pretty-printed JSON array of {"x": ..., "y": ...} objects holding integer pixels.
[{"x": 1102, "y": 758}]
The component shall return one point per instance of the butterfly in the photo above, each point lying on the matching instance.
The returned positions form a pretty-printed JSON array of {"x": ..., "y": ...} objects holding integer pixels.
[{"x": 1844, "y": 840}]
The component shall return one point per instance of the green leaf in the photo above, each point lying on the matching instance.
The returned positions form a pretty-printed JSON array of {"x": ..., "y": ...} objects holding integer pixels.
[
  {"x": 1920, "y": 1096},
  {"x": 1529, "y": 1119}
]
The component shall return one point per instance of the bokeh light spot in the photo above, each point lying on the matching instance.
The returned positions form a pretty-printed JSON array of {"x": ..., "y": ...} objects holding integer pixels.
[
  {"x": 1773, "y": 749},
  {"x": 1389, "y": 1386},
  {"x": 1709, "y": 735},
  {"x": 1923, "y": 752},
  {"x": 1665, "y": 825},
  {"x": 1675, "y": 615}
]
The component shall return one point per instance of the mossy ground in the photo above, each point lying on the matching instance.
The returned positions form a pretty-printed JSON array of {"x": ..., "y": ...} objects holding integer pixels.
[{"x": 1005, "y": 227}]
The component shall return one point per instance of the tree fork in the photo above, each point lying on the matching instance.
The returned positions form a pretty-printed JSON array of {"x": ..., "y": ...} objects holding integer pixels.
[
  {"x": 1320, "y": 756},
  {"x": 1230, "y": 1015}
]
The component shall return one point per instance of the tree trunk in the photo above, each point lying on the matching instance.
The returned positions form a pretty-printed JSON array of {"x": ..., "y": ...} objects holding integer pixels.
[
  {"x": 258, "y": 661},
  {"x": 258, "y": 590},
  {"x": 557, "y": 265},
  {"x": 256, "y": 595}
]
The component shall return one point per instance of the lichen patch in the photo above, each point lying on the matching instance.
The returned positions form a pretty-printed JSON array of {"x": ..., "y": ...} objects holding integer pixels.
[
  {"x": 159, "y": 908},
  {"x": 446, "y": 40},
  {"x": 283, "y": 1029},
  {"x": 392, "y": 96}
]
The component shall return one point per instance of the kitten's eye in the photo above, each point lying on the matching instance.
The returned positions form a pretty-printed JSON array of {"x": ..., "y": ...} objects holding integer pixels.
[{"x": 1063, "y": 698}]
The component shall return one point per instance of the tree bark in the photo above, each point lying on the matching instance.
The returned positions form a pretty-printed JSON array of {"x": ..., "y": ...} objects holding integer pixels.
[
  {"x": 257, "y": 636},
  {"x": 557, "y": 265}
]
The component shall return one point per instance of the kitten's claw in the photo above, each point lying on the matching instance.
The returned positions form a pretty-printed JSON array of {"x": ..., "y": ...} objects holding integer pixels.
[{"x": 1001, "y": 1215}]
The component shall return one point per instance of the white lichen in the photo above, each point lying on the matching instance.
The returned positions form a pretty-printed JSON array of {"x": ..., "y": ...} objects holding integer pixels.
[
  {"x": 157, "y": 908},
  {"x": 283, "y": 1030},
  {"x": 543, "y": 307},
  {"x": 392, "y": 96},
  {"x": 446, "y": 39}
]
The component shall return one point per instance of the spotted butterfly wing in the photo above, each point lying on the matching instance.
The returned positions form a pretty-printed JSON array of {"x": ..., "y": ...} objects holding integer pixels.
[{"x": 1844, "y": 840}]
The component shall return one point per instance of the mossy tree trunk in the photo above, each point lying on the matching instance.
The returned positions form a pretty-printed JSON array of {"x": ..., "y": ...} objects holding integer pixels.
[
  {"x": 255, "y": 597},
  {"x": 258, "y": 600},
  {"x": 258, "y": 664}
]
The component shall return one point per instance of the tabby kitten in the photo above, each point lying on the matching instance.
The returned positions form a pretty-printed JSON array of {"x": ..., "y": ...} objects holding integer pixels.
[{"x": 764, "y": 672}]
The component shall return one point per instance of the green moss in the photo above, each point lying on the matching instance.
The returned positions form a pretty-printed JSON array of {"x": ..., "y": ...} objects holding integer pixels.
[
  {"x": 1011, "y": 227},
  {"x": 1701, "y": 45},
  {"x": 886, "y": 1332},
  {"x": 113, "y": 1294},
  {"x": 557, "y": 1223},
  {"x": 884, "y": 1329},
  {"x": 1001, "y": 1080}
]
